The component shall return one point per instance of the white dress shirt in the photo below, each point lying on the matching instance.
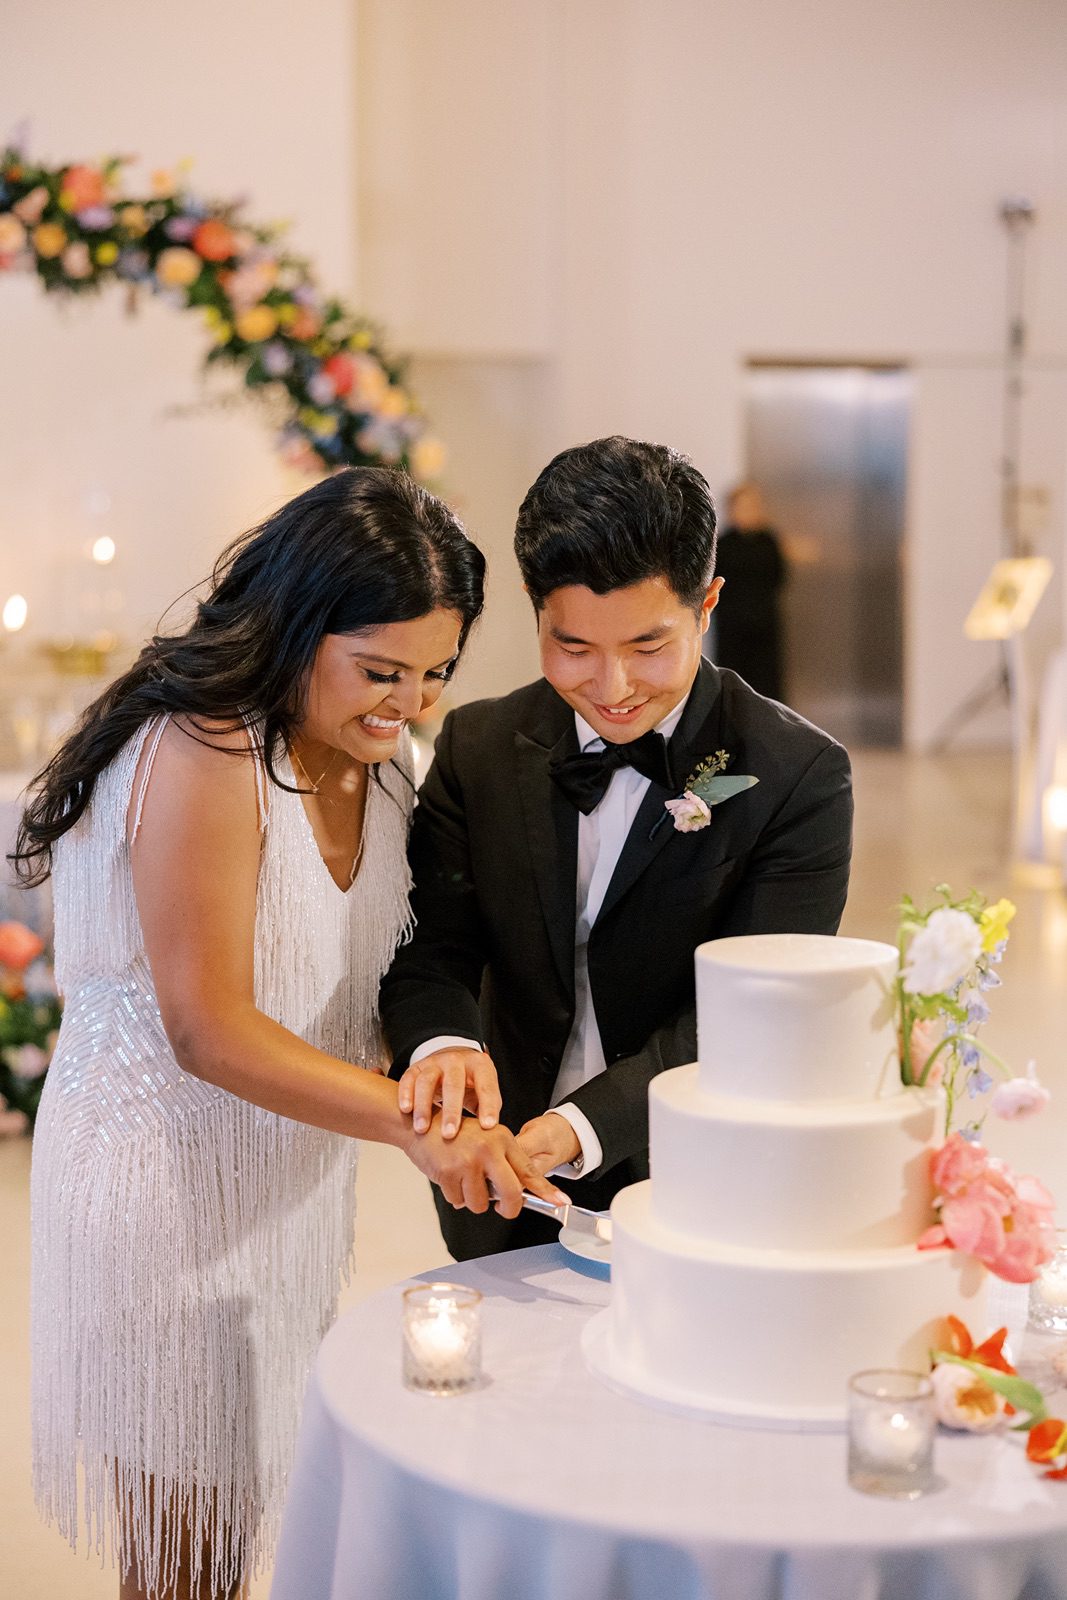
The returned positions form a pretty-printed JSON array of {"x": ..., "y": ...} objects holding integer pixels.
[{"x": 601, "y": 836}]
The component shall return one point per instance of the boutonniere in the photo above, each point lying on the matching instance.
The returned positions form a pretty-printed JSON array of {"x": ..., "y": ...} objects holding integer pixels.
[{"x": 706, "y": 786}]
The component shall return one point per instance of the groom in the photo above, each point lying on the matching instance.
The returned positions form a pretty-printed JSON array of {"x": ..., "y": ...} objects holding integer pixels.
[{"x": 558, "y": 900}]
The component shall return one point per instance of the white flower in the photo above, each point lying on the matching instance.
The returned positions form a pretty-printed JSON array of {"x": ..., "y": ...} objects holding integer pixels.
[
  {"x": 26, "y": 1060},
  {"x": 690, "y": 812},
  {"x": 1019, "y": 1097},
  {"x": 942, "y": 952},
  {"x": 963, "y": 1399}
]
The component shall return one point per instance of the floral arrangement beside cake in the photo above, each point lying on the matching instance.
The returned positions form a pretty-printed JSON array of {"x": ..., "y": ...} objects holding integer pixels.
[
  {"x": 30, "y": 1013},
  {"x": 813, "y": 1210}
]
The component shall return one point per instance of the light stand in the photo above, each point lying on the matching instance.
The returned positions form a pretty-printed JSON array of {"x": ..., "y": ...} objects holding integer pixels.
[{"x": 1018, "y": 215}]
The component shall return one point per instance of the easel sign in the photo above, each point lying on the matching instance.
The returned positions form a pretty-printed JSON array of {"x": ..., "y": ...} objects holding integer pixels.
[{"x": 1009, "y": 598}]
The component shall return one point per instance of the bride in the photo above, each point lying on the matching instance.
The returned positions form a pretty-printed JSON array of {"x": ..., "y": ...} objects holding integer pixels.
[{"x": 226, "y": 832}]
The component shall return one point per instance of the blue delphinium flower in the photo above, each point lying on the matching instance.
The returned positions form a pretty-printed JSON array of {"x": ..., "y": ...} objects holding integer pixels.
[
  {"x": 978, "y": 1083},
  {"x": 977, "y": 1012},
  {"x": 988, "y": 980}
]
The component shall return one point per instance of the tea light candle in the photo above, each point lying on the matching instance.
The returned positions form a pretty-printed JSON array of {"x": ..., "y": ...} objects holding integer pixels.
[
  {"x": 442, "y": 1338},
  {"x": 1048, "y": 1292},
  {"x": 891, "y": 1426}
]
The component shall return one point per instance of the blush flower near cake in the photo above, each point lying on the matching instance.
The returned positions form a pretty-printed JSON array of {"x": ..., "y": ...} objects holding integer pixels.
[{"x": 947, "y": 959}]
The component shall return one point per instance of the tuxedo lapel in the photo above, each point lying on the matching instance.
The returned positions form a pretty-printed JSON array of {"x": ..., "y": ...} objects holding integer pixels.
[
  {"x": 695, "y": 736},
  {"x": 552, "y": 833}
]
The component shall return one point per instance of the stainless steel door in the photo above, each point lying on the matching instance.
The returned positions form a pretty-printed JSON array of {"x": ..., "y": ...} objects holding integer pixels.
[{"x": 828, "y": 445}]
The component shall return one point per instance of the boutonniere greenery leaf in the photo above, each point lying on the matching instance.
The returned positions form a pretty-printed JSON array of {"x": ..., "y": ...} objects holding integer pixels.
[{"x": 708, "y": 785}]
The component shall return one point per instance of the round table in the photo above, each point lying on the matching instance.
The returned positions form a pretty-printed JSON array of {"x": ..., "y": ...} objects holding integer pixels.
[{"x": 547, "y": 1485}]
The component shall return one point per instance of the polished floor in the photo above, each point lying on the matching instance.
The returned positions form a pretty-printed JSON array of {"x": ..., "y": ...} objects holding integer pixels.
[{"x": 919, "y": 821}]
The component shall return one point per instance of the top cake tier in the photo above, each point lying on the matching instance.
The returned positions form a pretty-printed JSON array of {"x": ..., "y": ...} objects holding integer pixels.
[{"x": 797, "y": 1016}]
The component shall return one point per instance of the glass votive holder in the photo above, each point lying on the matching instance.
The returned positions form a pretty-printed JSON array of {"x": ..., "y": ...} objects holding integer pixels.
[
  {"x": 1048, "y": 1292},
  {"x": 891, "y": 1426},
  {"x": 442, "y": 1338}
]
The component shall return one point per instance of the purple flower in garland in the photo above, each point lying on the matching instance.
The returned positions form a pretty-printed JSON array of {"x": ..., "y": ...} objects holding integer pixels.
[
  {"x": 305, "y": 294},
  {"x": 276, "y": 360},
  {"x": 322, "y": 389},
  {"x": 94, "y": 219},
  {"x": 133, "y": 265},
  {"x": 180, "y": 229},
  {"x": 989, "y": 980}
]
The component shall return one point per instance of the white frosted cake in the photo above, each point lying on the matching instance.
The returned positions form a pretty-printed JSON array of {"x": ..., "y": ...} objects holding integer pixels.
[{"x": 773, "y": 1252}]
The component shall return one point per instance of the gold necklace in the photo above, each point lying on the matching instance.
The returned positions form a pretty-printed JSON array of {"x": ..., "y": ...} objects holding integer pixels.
[{"x": 313, "y": 782}]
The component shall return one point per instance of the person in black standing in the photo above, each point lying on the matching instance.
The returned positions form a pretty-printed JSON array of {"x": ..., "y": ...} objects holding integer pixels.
[{"x": 753, "y": 570}]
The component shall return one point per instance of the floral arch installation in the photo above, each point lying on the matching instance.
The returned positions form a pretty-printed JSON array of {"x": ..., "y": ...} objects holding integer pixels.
[{"x": 337, "y": 397}]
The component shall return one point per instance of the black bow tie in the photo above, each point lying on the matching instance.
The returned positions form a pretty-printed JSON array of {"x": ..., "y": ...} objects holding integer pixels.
[{"x": 584, "y": 778}]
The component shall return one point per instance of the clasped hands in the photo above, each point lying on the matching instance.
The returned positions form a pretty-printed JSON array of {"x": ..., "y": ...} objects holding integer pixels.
[{"x": 474, "y": 1160}]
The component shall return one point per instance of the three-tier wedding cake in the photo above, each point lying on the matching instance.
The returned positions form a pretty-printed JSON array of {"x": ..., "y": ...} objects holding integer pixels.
[{"x": 773, "y": 1252}]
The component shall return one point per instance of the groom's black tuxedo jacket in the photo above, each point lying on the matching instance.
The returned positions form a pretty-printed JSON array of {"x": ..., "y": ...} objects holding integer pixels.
[{"x": 494, "y": 848}]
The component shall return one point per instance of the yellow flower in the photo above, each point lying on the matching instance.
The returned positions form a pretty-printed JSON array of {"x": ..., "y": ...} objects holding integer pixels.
[
  {"x": 287, "y": 314},
  {"x": 49, "y": 240},
  {"x": 427, "y": 457},
  {"x": 393, "y": 402},
  {"x": 177, "y": 267},
  {"x": 319, "y": 423},
  {"x": 360, "y": 341},
  {"x": 134, "y": 219},
  {"x": 994, "y": 924},
  {"x": 211, "y": 317},
  {"x": 259, "y": 322},
  {"x": 107, "y": 253},
  {"x": 223, "y": 332},
  {"x": 321, "y": 347},
  {"x": 12, "y": 235}
]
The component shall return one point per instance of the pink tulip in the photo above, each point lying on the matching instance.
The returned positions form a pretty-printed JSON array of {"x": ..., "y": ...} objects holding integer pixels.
[{"x": 957, "y": 1163}]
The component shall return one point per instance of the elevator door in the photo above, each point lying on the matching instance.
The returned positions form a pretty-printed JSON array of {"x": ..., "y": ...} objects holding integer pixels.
[{"x": 827, "y": 446}]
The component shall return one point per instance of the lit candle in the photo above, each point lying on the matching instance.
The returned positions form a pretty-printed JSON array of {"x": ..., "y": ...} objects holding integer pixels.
[
  {"x": 1048, "y": 1292},
  {"x": 891, "y": 1425},
  {"x": 442, "y": 1338}
]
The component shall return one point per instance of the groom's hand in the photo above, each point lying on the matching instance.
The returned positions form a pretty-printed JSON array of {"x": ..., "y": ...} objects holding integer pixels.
[
  {"x": 549, "y": 1141},
  {"x": 455, "y": 1079}
]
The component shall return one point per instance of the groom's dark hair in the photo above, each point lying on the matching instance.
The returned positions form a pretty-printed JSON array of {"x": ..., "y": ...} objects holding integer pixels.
[{"x": 613, "y": 513}]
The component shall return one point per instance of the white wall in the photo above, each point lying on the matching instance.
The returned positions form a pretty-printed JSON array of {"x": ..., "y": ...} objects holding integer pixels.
[
  {"x": 261, "y": 96},
  {"x": 737, "y": 180}
]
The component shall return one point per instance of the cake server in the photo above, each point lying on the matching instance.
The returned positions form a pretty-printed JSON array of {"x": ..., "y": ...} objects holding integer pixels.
[{"x": 578, "y": 1218}]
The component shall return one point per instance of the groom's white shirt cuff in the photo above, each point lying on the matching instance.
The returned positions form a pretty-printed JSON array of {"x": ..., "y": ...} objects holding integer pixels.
[
  {"x": 444, "y": 1041},
  {"x": 592, "y": 1153}
]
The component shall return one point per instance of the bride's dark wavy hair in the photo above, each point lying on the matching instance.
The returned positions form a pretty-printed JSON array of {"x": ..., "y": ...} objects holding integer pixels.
[{"x": 361, "y": 549}]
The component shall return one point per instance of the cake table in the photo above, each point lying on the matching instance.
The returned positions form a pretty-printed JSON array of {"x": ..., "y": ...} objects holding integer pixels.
[{"x": 547, "y": 1485}]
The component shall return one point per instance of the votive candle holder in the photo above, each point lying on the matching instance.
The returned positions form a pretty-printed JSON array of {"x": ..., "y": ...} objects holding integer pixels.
[
  {"x": 442, "y": 1338},
  {"x": 891, "y": 1427},
  {"x": 1048, "y": 1292}
]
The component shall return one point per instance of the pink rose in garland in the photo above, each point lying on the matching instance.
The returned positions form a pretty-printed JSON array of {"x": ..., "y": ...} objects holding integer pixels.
[{"x": 986, "y": 1210}]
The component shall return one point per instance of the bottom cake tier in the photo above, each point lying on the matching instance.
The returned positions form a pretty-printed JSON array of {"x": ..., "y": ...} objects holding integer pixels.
[{"x": 770, "y": 1333}]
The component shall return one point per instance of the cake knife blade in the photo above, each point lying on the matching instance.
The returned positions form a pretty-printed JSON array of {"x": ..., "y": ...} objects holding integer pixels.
[{"x": 580, "y": 1218}]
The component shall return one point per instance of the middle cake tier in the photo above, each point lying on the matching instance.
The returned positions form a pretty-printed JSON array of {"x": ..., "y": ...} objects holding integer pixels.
[{"x": 784, "y": 1175}]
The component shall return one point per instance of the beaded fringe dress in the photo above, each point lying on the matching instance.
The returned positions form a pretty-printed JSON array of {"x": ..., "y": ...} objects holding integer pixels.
[{"x": 188, "y": 1247}]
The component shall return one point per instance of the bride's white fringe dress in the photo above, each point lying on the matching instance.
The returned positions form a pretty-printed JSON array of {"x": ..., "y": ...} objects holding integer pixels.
[{"x": 188, "y": 1246}]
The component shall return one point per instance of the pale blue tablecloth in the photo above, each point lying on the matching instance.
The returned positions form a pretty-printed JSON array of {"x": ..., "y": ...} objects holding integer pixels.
[{"x": 546, "y": 1485}]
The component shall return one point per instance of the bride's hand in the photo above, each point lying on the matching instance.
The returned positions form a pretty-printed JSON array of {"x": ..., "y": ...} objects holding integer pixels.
[
  {"x": 476, "y": 1161},
  {"x": 457, "y": 1079}
]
